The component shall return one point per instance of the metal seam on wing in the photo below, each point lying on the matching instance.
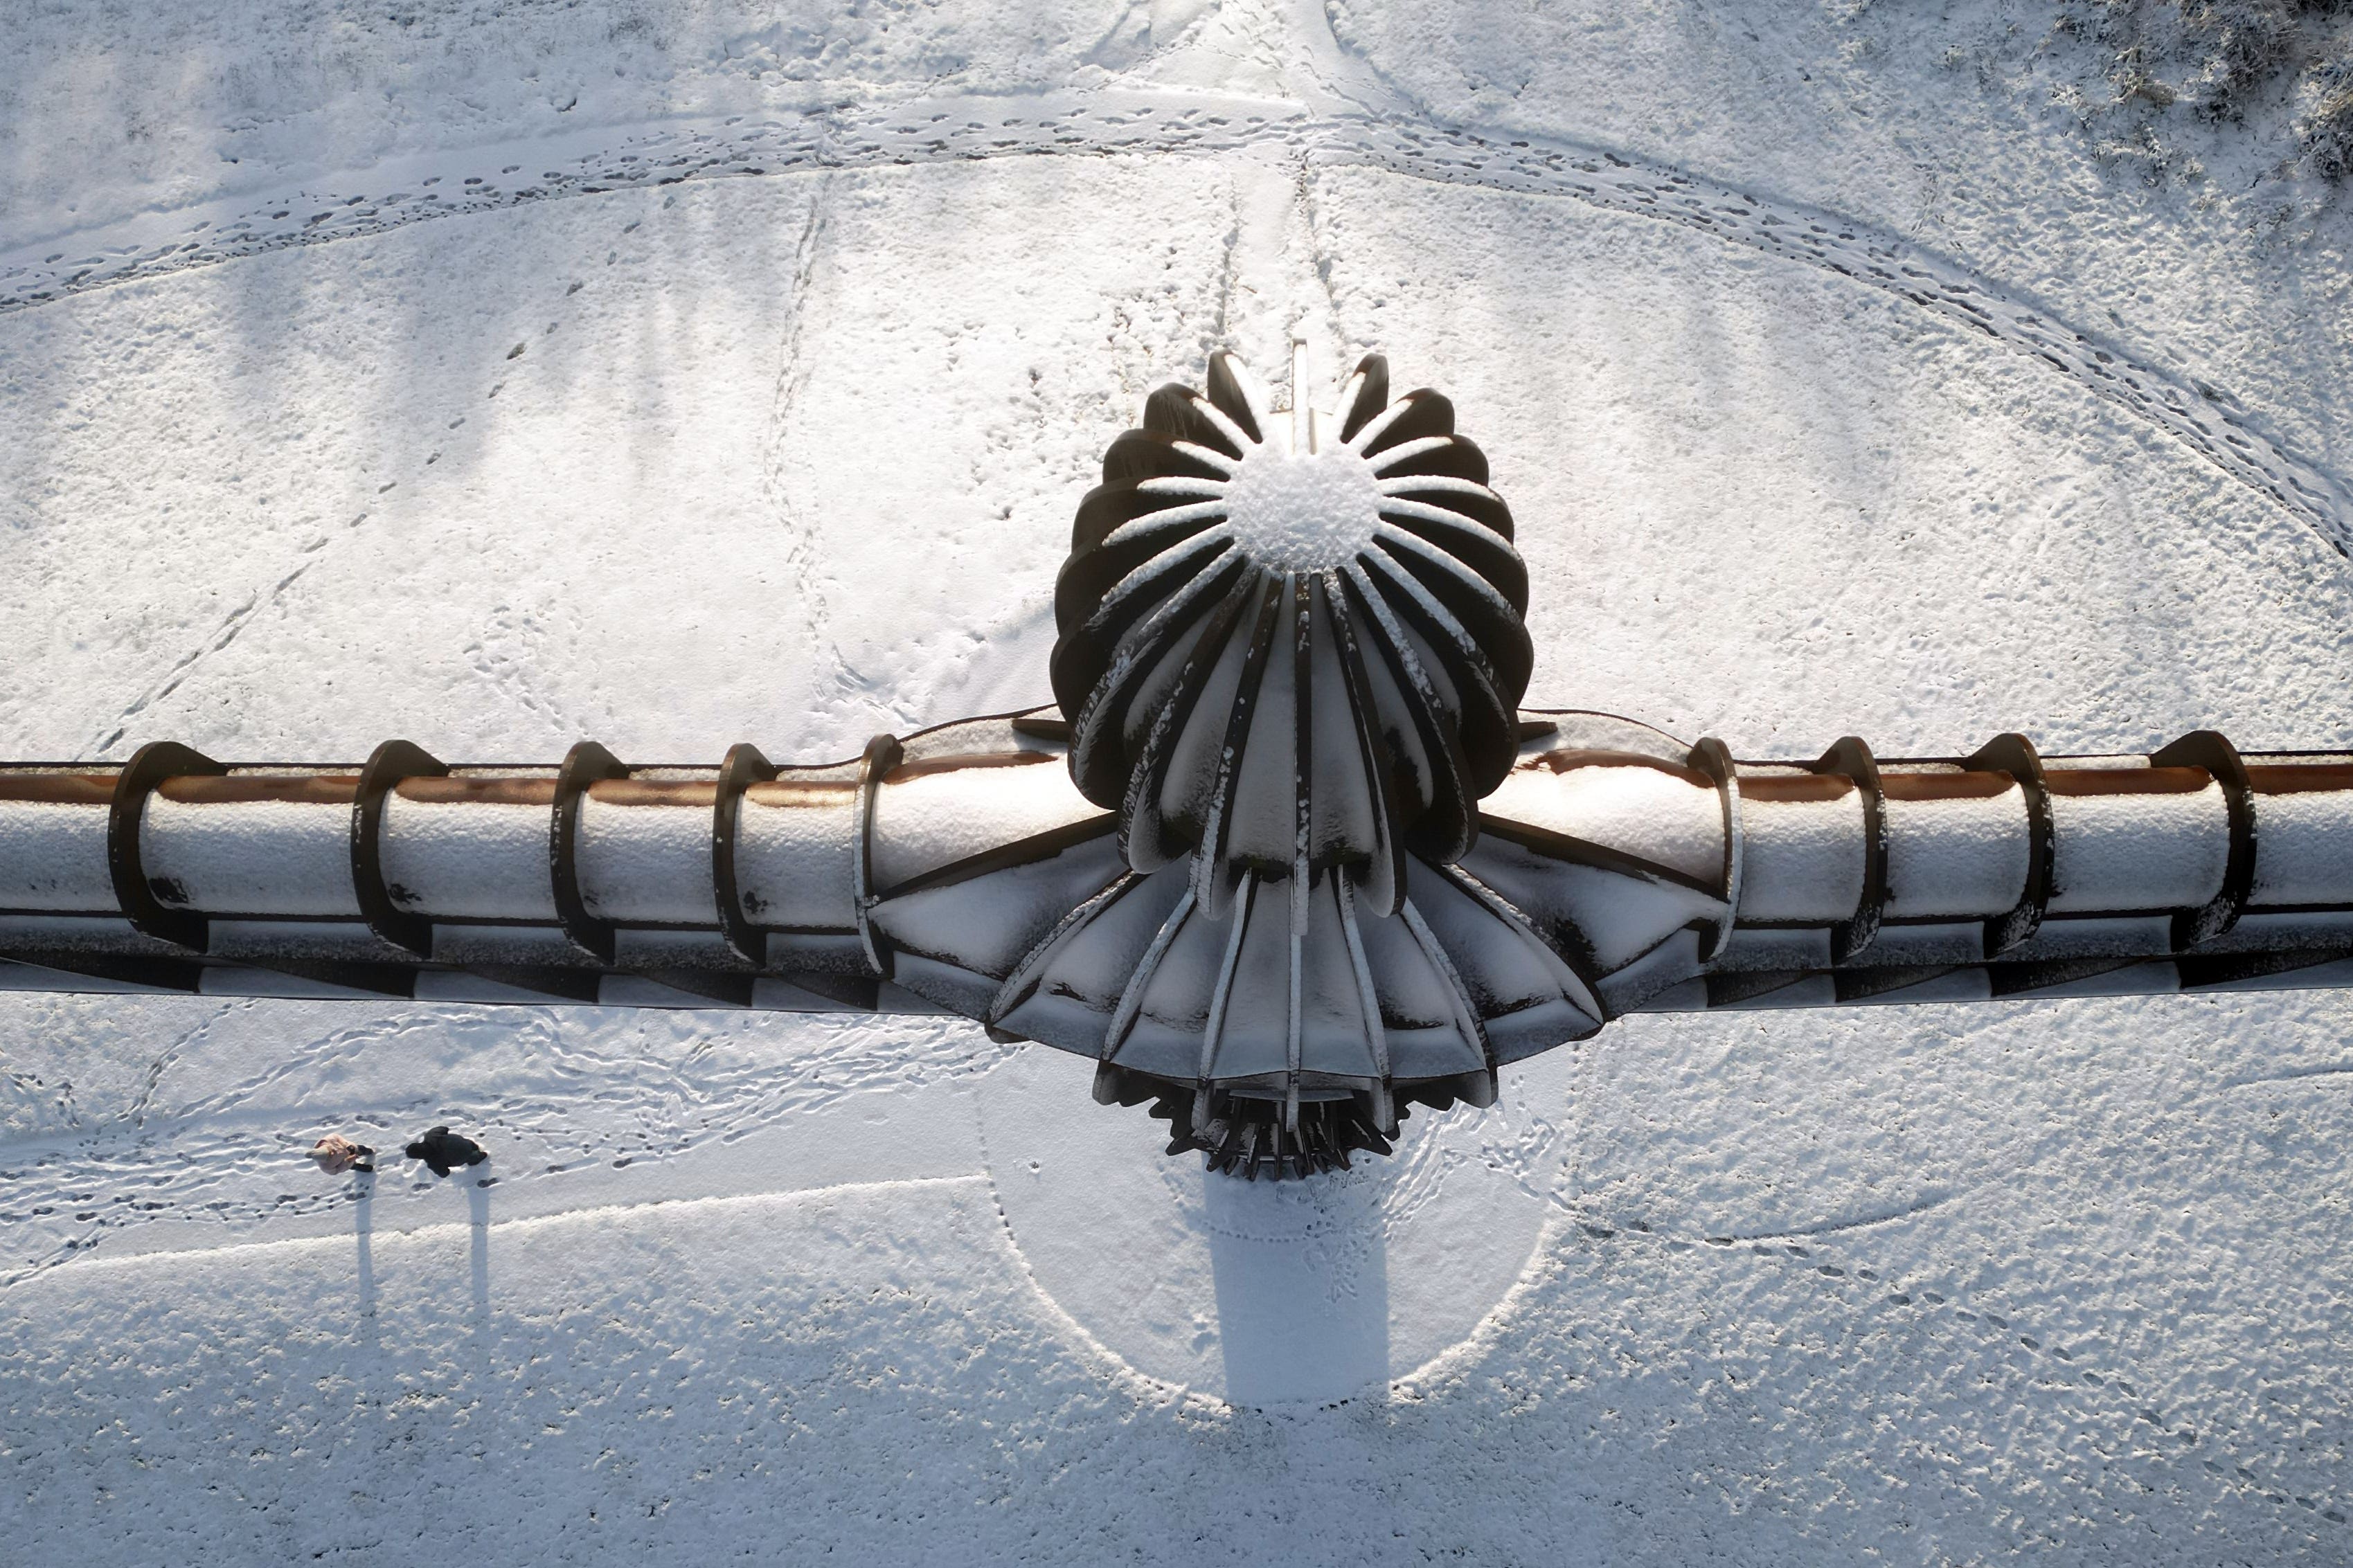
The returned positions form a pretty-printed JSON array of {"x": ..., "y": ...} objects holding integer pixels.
[
  {"x": 1577, "y": 990},
  {"x": 1446, "y": 821},
  {"x": 1466, "y": 1016},
  {"x": 1142, "y": 834},
  {"x": 1130, "y": 997},
  {"x": 1023, "y": 979},
  {"x": 1210, "y": 887},
  {"x": 1384, "y": 888},
  {"x": 1213, "y": 1027}
]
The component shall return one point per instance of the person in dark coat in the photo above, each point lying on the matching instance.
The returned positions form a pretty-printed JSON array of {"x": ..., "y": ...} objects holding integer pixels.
[{"x": 443, "y": 1151}]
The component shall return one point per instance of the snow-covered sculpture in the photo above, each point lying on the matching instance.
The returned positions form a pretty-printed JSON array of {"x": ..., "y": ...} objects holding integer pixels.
[
  {"x": 1293, "y": 660},
  {"x": 1288, "y": 859}
]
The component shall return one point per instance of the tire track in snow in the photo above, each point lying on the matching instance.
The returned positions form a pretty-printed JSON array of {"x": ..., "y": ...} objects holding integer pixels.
[
  {"x": 802, "y": 555},
  {"x": 1862, "y": 1291},
  {"x": 219, "y": 638},
  {"x": 313, "y": 550},
  {"x": 1112, "y": 124},
  {"x": 2077, "y": 1366}
]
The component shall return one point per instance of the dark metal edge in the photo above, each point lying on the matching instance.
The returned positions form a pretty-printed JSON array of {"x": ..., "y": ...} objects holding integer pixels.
[
  {"x": 386, "y": 767},
  {"x": 1714, "y": 758},
  {"x": 881, "y": 754},
  {"x": 1851, "y": 758},
  {"x": 2211, "y": 750},
  {"x": 743, "y": 768},
  {"x": 2014, "y": 755},
  {"x": 583, "y": 764},
  {"x": 150, "y": 766}
]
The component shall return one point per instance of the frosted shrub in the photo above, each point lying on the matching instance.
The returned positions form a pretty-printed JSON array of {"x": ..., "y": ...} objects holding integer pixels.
[
  {"x": 2238, "y": 47},
  {"x": 2325, "y": 134},
  {"x": 2273, "y": 66}
]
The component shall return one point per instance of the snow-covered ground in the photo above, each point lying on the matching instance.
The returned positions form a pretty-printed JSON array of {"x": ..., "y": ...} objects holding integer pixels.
[{"x": 680, "y": 374}]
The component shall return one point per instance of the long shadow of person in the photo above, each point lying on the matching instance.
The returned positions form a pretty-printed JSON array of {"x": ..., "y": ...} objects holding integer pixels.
[
  {"x": 478, "y": 1204},
  {"x": 446, "y": 1154},
  {"x": 364, "y": 1332}
]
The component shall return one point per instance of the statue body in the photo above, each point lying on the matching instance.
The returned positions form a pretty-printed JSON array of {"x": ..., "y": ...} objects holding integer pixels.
[{"x": 1287, "y": 859}]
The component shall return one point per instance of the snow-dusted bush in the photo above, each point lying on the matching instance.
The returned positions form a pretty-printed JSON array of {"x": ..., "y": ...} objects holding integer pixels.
[
  {"x": 2325, "y": 133},
  {"x": 2236, "y": 62},
  {"x": 2236, "y": 48}
]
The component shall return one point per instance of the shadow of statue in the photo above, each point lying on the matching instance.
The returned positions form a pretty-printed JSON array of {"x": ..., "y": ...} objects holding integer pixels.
[{"x": 1302, "y": 1275}]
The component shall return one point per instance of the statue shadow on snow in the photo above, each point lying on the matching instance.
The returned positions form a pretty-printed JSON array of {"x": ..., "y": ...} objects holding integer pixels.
[{"x": 1302, "y": 1275}]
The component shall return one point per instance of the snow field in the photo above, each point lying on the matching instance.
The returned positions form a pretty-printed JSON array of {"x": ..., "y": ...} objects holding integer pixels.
[{"x": 794, "y": 461}]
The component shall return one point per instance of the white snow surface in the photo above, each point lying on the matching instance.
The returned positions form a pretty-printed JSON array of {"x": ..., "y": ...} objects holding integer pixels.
[
  {"x": 1802, "y": 859},
  {"x": 1302, "y": 511},
  {"x": 645, "y": 862},
  {"x": 269, "y": 856},
  {"x": 2138, "y": 852},
  {"x": 1641, "y": 811},
  {"x": 487, "y": 860},
  {"x": 56, "y": 856},
  {"x": 933, "y": 820},
  {"x": 2304, "y": 848},
  {"x": 795, "y": 864},
  {"x": 362, "y": 379},
  {"x": 1967, "y": 857}
]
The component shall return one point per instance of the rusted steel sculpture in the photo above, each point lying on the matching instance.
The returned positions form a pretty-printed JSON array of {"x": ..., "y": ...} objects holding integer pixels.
[{"x": 1288, "y": 858}]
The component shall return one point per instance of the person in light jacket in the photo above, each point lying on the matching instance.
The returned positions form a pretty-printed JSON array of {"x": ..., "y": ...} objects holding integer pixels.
[{"x": 337, "y": 1155}]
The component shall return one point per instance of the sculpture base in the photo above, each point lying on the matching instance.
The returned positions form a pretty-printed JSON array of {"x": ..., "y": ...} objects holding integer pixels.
[{"x": 1253, "y": 1132}]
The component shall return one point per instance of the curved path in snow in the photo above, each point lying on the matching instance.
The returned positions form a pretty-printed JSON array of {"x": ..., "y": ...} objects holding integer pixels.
[{"x": 1128, "y": 122}]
